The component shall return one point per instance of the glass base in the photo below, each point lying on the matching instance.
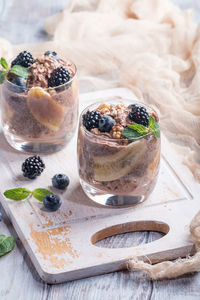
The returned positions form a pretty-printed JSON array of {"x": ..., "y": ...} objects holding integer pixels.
[
  {"x": 110, "y": 200},
  {"x": 39, "y": 146}
]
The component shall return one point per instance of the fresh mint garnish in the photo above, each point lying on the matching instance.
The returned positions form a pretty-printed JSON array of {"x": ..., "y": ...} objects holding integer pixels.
[
  {"x": 17, "y": 194},
  {"x": 151, "y": 121},
  {"x": 2, "y": 76},
  {"x": 141, "y": 129},
  {"x": 137, "y": 130},
  {"x": 15, "y": 70},
  {"x": 19, "y": 71},
  {"x": 7, "y": 244},
  {"x": 4, "y": 63},
  {"x": 130, "y": 133},
  {"x": 154, "y": 127},
  {"x": 40, "y": 193}
]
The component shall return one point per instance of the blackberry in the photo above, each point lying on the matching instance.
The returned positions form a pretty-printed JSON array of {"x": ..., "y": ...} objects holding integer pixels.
[
  {"x": 32, "y": 167},
  {"x": 91, "y": 119},
  {"x": 58, "y": 77},
  {"x": 60, "y": 181},
  {"x": 24, "y": 59},
  {"x": 139, "y": 115}
]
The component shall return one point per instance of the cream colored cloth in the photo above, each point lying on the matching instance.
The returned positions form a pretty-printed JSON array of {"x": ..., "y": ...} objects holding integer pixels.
[{"x": 149, "y": 46}]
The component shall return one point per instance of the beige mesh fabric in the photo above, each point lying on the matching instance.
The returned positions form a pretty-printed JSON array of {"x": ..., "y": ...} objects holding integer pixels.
[{"x": 151, "y": 47}]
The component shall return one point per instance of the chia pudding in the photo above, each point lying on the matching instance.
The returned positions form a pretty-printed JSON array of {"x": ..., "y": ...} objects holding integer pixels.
[
  {"x": 40, "y": 111},
  {"x": 118, "y": 152}
]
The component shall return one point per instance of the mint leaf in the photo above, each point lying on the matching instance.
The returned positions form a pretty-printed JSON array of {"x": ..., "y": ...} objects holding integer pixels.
[
  {"x": 130, "y": 133},
  {"x": 19, "y": 71},
  {"x": 151, "y": 122},
  {"x": 156, "y": 130},
  {"x": 135, "y": 131},
  {"x": 4, "y": 63},
  {"x": 139, "y": 128},
  {"x": 40, "y": 193},
  {"x": 17, "y": 194},
  {"x": 2, "y": 76},
  {"x": 154, "y": 127},
  {"x": 7, "y": 244}
]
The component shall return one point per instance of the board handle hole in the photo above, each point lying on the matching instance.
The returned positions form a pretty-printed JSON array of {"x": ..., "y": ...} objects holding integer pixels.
[{"x": 130, "y": 234}]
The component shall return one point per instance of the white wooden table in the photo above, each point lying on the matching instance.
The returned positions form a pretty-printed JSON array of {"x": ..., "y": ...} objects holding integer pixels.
[{"x": 18, "y": 278}]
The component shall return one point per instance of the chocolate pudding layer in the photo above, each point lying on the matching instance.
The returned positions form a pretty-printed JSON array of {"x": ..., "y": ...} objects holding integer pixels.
[{"x": 112, "y": 163}]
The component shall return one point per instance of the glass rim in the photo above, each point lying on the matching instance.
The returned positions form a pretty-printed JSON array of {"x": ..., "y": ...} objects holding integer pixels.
[
  {"x": 108, "y": 101},
  {"x": 48, "y": 88}
]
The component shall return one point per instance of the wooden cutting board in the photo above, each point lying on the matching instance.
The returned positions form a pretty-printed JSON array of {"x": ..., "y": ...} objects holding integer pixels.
[{"x": 61, "y": 244}]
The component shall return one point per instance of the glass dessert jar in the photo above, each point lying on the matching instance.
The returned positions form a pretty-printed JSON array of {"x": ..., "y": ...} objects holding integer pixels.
[
  {"x": 118, "y": 152},
  {"x": 38, "y": 117}
]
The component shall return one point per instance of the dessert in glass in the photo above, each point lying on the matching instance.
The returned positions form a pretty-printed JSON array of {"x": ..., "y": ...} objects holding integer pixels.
[
  {"x": 118, "y": 152},
  {"x": 39, "y": 102}
]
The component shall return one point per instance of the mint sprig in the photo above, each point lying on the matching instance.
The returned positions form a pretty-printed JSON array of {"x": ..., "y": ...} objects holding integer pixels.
[
  {"x": 19, "y": 194},
  {"x": 40, "y": 193},
  {"x": 138, "y": 131},
  {"x": 7, "y": 244},
  {"x": 154, "y": 127},
  {"x": 4, "y": 63},
  {"x": 15, "y": 70},
  {"x": 2, "y": 76},
  {"x": 141, "y": 129},
  {"x": 19, "y": 71}
]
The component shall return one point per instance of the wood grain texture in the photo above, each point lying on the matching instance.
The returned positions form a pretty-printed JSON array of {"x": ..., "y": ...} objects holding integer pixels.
[{"x": 21, "y": 21}]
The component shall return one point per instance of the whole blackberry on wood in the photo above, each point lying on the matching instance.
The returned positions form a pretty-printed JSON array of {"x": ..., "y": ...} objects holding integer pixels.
[
  {"x": 24, "y": 59},
  {"x": 91, "y": 119},
  {"x": 58, "y": 77},
  {"x": 33, "y": 167},
  {"x": 139, "y": 115}
]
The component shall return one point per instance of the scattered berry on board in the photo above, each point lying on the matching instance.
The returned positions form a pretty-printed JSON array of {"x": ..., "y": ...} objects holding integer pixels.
[
  {"x": 52, "y": 202},
  {"x": 32, "y": 167},
  {"x": 60, "y": 181},
  {"x": 0, "y": 216}
]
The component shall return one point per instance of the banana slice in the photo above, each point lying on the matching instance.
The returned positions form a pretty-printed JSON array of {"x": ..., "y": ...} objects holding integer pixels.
[
  {"x": 44, "y": 109},
  {"x": 117, "y": 165}
]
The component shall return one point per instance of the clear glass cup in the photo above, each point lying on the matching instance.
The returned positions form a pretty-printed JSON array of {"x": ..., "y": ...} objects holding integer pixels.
[
  {"x": 117, "y": 172},
  {"x": 39, "y": 120}
]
